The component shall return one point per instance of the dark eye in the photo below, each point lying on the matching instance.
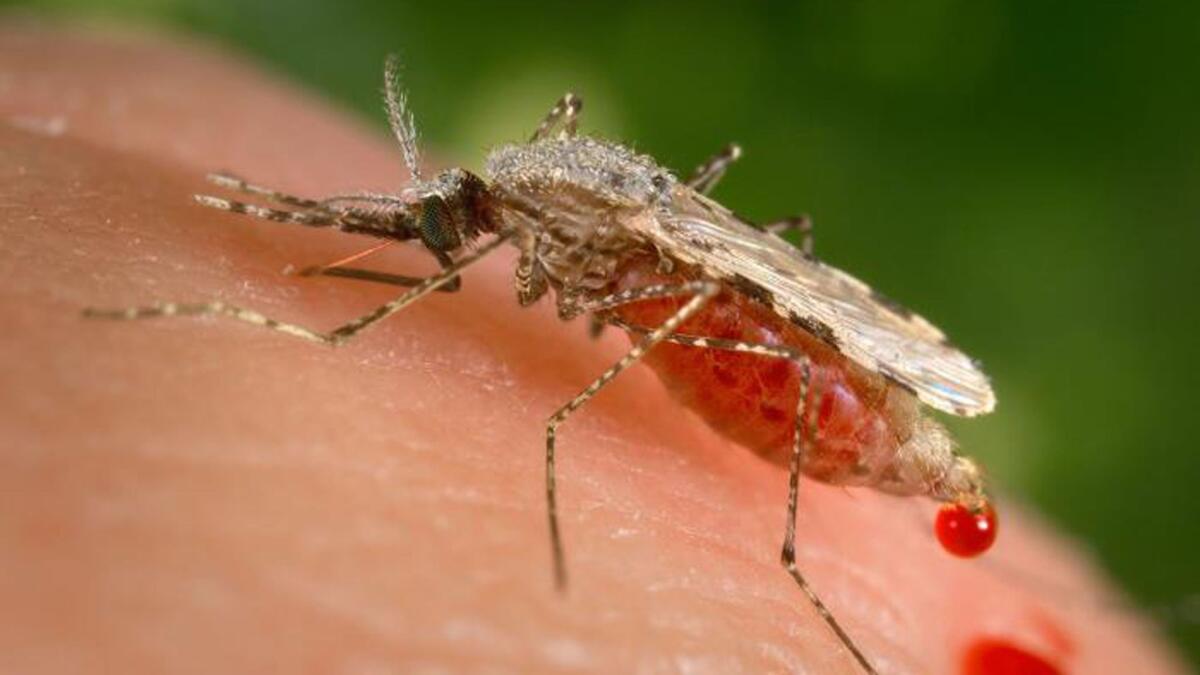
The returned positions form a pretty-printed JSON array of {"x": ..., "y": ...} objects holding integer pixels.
[{"x": 437, "y": 225}]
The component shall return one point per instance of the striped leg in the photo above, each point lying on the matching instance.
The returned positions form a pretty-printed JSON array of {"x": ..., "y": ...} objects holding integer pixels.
[
  {"x": 801, "y": 224},
  {"x": 565, "y": 110},
  {"x": 800, "y": 435},
  {"x": 232, "y": 182},
  {"x": 335, "y": 337},
  {"x": 707, "y": 175},
  {"x": 375, "y": 199},
  {"x": 530, "y": 279},
  {"x": 701, "y": 292},
  {"x": 311, "y": 217},
  {"x": 347, "y": 219}
]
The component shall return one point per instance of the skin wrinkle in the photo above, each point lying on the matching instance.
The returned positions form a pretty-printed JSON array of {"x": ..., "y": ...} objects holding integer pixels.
[{"x": 123, "y": 415}]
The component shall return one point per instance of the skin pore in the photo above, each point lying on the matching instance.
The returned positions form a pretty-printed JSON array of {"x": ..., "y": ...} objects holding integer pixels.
[{"x": 203, "y": 496}]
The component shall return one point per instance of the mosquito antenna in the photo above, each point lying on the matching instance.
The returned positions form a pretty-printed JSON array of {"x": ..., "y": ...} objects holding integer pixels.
[{"x": 400, "y": 117}]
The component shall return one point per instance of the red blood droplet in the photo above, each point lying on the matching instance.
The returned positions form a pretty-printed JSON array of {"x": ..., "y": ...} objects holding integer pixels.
[
  {"x": 993, "y": 656},
  {"x": 965, "y": 531}
]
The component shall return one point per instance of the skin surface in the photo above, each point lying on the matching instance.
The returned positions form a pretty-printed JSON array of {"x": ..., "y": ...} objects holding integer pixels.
[{"x": 204, "y": 496}]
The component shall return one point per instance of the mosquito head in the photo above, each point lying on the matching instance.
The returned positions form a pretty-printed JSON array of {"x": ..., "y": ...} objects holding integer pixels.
[
  {"x": 454, "y": 207},
  {"x": 450, "y": 211}
]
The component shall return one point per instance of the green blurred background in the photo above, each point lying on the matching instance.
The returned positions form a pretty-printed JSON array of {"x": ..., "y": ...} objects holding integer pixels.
[{"x": 1024, "y": 173}]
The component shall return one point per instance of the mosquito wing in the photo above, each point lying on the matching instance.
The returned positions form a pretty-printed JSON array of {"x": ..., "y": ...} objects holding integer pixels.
[{"x": 859, "y": 322}]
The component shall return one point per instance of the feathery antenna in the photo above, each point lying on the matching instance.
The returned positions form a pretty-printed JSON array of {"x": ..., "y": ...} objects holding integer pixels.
[{"x": 400, "y": 117}]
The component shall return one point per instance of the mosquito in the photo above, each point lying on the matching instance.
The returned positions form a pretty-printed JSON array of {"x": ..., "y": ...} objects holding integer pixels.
[{"x": 792, "y": 358}]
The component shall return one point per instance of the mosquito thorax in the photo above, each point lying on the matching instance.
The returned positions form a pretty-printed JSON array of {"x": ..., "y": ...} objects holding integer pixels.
[{"x": 601, "y": 172}]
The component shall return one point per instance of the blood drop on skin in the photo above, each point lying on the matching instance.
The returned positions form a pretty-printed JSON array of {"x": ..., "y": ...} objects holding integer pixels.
[
  {"x": 964, "y": 531},
  {"x": 995, "y": 656}
]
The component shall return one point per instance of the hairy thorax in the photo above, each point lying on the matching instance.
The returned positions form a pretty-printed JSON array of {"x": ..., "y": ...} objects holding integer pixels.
[{"x": 572, "y": 196}]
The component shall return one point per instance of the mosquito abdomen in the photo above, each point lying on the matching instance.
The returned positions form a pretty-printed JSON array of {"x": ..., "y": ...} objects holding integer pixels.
[{"x": 861, "y": 420}]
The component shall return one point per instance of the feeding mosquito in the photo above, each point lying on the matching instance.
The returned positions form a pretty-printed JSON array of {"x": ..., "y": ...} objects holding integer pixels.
[{"x": 715, "y": 305}]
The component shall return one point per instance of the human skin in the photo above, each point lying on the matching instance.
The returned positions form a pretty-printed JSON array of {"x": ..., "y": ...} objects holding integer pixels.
[{"x": 200, "y": 495}]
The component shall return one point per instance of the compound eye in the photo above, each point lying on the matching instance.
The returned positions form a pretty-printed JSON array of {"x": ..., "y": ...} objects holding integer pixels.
[{"x": 436, "y": 225}]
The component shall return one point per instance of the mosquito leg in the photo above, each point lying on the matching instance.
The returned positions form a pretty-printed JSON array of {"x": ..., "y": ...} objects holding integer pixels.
[
  {"x": 800, "y": 436},
  {"x": 347, "y": 220},
  {"x": 232, "y": 182},
  {"x": 801, "y": 224},
  {"x": 373, "y": 198},
  {"x": 334, "y": 210},
  {"x": 335, "y": 337},
  {"x": 707, "y": 175},
  {"x": 312, "y": 218},
  {"x": 565, "y": 110},
  {"x": 788, "y": 555},
  {"x": 529, "y": 278},
  {"x": 701, "y": 292}
]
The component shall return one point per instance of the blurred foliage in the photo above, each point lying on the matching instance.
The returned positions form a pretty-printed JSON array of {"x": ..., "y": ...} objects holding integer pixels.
[{"x": 1024, "y": 173}]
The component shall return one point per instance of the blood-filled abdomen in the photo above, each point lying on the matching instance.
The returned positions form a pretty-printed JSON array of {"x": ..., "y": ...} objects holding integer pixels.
[{"x": 861, "y": 419}]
